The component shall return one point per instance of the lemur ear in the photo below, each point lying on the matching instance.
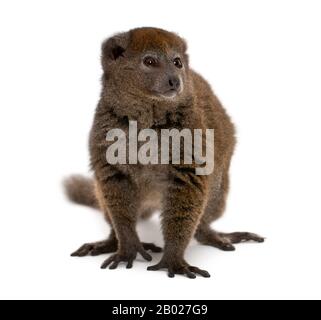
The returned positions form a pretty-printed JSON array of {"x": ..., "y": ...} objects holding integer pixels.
[{"x": 114, "y": 47}]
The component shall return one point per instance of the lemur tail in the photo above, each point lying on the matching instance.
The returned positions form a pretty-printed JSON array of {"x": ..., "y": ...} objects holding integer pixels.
[{"x": 80, "y": 190}]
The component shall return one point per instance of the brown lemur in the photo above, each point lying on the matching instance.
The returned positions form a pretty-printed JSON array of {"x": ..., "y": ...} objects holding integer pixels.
[{"x": 146, "y": 78}]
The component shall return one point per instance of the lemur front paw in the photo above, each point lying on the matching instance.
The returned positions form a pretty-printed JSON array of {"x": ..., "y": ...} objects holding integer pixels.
[
  {"x": 129, "y": 256},
  {"x": 179, "y": 266}
]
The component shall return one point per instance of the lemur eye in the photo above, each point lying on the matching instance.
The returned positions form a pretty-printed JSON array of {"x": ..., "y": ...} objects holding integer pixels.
[
  {"x": 178, "y": 63},
  {"x": 150, "y": 62}
]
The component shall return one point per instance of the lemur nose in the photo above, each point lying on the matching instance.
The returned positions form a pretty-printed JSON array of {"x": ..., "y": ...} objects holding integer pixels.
[{"x": 174, "y": 82}]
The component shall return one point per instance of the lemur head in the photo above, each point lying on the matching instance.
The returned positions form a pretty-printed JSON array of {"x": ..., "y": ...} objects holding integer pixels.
[{"x": 147, "y": 62}]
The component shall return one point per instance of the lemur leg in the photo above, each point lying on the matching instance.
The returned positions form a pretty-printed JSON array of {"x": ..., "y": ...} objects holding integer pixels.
[
  {"x": 122, "y": 199},
  {"x": 214, "y": 209},
  {"x": 182, "y": 212}
]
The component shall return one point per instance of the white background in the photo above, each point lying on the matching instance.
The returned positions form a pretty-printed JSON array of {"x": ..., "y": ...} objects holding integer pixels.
[{"x": 263, "y": 59}]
